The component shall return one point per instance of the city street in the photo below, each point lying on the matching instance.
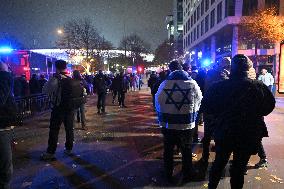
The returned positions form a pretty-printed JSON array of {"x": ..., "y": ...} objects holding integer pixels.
[{"x": 123, "y": 149}]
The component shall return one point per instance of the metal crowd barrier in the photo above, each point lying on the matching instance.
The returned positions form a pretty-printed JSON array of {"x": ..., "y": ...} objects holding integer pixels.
[{"x": 29, "y": 106}]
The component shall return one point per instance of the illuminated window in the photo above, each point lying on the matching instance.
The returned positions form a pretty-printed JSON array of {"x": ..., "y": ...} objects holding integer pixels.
[{"x": 281, "y": 70}]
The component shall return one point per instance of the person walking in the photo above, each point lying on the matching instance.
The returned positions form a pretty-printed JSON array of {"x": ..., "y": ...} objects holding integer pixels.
[
  {"x": 122, "y": 89},
  {"x": 81, "y": 118},
  {"x": 101, "y": 82},
  {"x": 66, "y": 96},
  {"x": 238, "y": 105},
  {"x": 177, "y": 102},
  {"x": 8, "y": 111},
  {"x": 115, "y": 87}
]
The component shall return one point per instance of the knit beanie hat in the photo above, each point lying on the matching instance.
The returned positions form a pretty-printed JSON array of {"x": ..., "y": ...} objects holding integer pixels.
[{"x": 240, "y": 65}]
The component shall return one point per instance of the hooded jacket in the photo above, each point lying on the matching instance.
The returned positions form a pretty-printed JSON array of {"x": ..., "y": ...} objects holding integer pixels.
[{"x": 177, "y": 101}]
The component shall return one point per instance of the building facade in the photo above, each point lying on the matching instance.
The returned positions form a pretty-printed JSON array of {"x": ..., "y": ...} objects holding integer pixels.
[
  {"x": 178, "y": 26},
  {"x": 211, "y": 31},
  {"x": 175, "y": 27}
]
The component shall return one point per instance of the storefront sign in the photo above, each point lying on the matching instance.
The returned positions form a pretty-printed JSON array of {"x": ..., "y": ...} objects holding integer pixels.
[{"x": 281, "y": 70}]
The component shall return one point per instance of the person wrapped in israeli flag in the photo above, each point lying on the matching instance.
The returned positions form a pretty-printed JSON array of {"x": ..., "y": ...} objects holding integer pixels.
[{"x": 177, "y": 102}]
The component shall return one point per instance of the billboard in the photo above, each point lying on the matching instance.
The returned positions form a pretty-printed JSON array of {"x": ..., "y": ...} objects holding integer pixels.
[{"x": 281, "y": 70}]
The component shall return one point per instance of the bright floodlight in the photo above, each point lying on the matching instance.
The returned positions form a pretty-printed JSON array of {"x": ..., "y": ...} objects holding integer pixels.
[{"x": 6, "y": 49}]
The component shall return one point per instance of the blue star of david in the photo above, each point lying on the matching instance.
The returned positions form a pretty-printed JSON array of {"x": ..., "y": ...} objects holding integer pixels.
[{"x": 170, "y": 93}]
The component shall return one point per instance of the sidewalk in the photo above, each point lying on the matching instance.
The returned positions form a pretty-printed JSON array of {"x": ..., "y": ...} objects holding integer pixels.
[{"x": 123, "y": 149}]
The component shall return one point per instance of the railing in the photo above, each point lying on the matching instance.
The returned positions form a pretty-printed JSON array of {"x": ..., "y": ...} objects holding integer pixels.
[{"x": 29, "y": 106}]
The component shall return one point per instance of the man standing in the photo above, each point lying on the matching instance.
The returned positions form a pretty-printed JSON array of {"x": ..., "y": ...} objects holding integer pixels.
[
  {"x": 42, "y": 82},
  {"x": 220, "y": 73},
  {"x": 151, "y": 82},
  {"x": 101, "y": 82},
  {"x": 177, "y": 103},
  {"x": 238, "y": 105},
  {"x": 66, "y": 96},
  {"x": 7, "y": 111},
  {"x": 267, "y": 79}
]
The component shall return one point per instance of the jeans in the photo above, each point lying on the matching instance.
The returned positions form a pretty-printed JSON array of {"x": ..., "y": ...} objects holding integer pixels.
[
  {"x": 183, "y": 139},
  {"x": 6, "y": 166},
  {"x": 58, "y": 117},
  {"x": 121, "y": 98},
  {"x": 241, "y": 157},
  {"x": 81, "y": 114},
  {"x": 101, "y": 101}
]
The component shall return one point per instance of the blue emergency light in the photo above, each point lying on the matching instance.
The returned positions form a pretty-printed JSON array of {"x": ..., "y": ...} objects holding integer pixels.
[{"x": 5, "y": 49}]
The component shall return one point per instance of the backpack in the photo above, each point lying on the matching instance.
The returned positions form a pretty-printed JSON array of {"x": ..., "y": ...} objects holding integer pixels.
[
  {"x": 8, "y": 111},
  {"x": 72, "y": 93}
]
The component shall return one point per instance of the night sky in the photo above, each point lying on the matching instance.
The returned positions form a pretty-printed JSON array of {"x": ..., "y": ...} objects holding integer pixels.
[{"x": 35, "y": 22}]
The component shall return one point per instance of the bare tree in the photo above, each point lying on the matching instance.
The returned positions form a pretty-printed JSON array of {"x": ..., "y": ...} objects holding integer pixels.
[
  {"x": 164, "y": 53},
  {"x": 134, "y": 44},
  {"x": 81, "y": 38}
]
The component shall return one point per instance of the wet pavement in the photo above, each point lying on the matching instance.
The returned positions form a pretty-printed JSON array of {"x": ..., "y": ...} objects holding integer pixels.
[{"x": 123, "y": 149}]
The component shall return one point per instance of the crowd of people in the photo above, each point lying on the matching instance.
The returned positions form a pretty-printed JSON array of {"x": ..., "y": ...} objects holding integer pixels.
[
  {"x": 228, "y": 99},
  {"x": 231, "y": 102}
]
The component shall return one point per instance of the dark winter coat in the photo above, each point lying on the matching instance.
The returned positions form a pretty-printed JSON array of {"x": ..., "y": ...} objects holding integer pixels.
[
  {"x": 6, "y": 94},
  {"x": 115, "y": 85},
  {"x": 101, "y": 83},
  {"x": 238, "y": 105},
  {"x": 34, "y": 86},
  {"x": 41, "y": 84},
  {"x": 152, "y": 80}
]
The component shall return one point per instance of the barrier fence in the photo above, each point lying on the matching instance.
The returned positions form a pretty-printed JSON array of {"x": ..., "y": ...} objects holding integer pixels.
[{"x": 29, "y": 106}]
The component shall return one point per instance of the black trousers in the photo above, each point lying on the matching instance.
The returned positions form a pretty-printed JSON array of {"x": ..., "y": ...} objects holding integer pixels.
[
  {"x": 58, "y": 117},
  {"x": 183, "y": 139},
  {"x": 101, "y": 101},
  {"x": 121, "y": 98},
  {"x": 241, "y": 157},
  {"x": 208, "y": 135},
  {"x": 195, "y": 129},
  {"x": 114, "y": 94},
  {"x": 153, "y": 100}
]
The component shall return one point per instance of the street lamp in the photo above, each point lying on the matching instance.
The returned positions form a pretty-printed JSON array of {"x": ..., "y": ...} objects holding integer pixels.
[{"x": 60, "y": 31}]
